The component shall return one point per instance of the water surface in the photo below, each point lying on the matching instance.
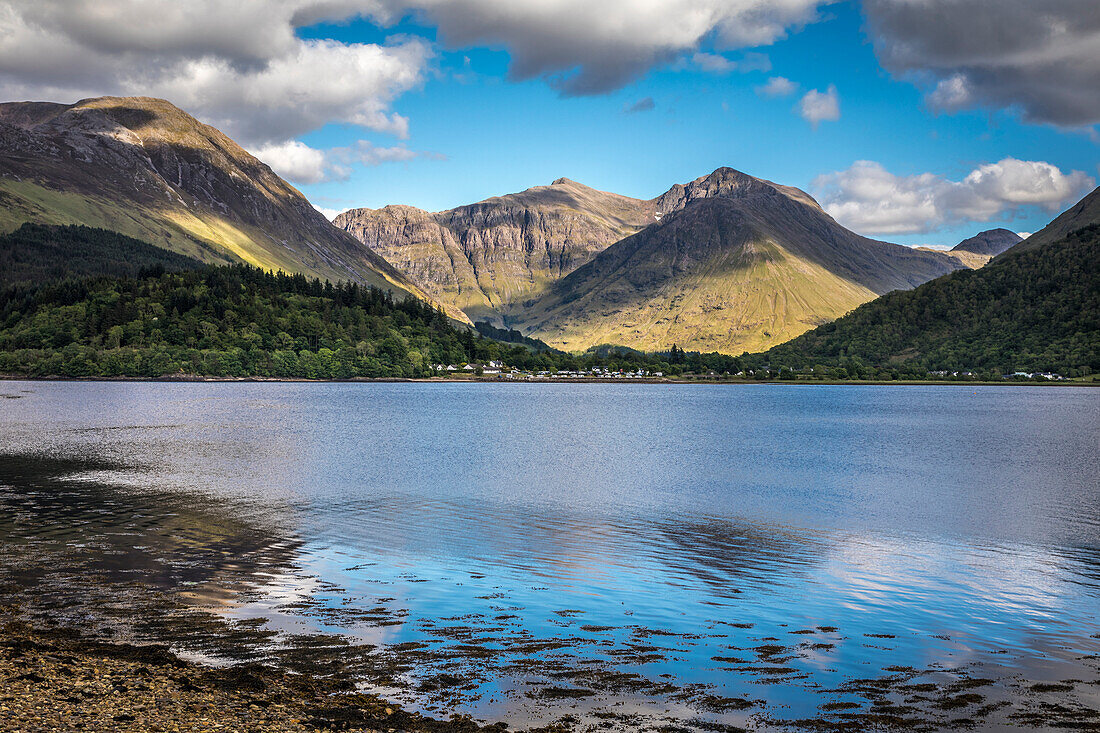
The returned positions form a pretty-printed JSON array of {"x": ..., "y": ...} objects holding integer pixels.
[{"x": 622, "y": 554}]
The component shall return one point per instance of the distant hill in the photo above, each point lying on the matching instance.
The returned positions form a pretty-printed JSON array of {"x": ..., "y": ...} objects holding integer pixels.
[
  {"x": 487, "y": 257},
  {"x": 144, "y": 168},
  {"x": 36, "y": 253},
  {"x": 1037, "y": 309},
  {"x": 735, "y": 264},
  {"x": 990, "y": 242}
]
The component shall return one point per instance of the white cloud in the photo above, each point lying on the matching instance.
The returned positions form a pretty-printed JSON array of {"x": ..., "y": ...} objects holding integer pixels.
[
  {"x": 777, "y": 86},
  {"x": 299, "y": 163},
  {"x": 951, "y": 94},
  {"x": 1024, "y": 235},
  {"x": 817, "y": 107},
  {"x": 713, "y": 63},
  {"x": 295, "y": 161},
  {"x": 330, "y": 214},
  {"x": 368, "y": 153},
  {"x": 237, "y": 65},
  {"x": 871, "y": 200},
  {"x": 1041, "y": 57}
]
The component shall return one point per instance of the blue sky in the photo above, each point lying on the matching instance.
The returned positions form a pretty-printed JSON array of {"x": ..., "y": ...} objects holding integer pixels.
[
  {"x": 500, "y": 136},
  {"x": 917, "y": 122}
]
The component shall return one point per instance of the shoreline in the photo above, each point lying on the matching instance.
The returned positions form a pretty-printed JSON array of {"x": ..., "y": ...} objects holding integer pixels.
[
  {"x": 194, "y": 378},
  {"x": 56, "y": 679}
]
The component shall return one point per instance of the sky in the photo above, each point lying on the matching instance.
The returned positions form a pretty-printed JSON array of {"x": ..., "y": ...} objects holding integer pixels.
[{"x": 914, "y": 121}]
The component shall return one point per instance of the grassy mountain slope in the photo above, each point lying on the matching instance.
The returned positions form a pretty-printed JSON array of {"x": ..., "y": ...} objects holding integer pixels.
[
  {"x": 487, "y": 257},
  {"x": 735, "y": 264},
  {"x": 1033, "y": 309},
  {"x": 36, "y": 253},
  {"x": 146, "y": 169}
]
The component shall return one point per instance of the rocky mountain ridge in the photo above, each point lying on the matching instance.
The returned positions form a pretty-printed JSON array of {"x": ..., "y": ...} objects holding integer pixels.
[{"x": 488, "y": 256}]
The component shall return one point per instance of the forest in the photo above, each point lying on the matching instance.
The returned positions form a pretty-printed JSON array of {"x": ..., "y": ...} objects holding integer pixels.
[
  {"x": 236, "y": 321},
  {"x": 40, "y": 253}
]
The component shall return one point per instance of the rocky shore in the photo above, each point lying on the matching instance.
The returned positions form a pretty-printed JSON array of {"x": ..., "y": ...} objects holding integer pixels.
[{"x": 53, "y": 680}]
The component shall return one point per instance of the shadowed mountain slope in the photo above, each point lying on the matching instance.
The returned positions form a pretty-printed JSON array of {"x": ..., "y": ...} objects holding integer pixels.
[
  {"x": 144, "y": 168},
  {"x": 734, "y": 264},
  {"x": 990, "y": 242},
  {"x": 1082, "y": 214},
  {"x": 36, "y": 253}
]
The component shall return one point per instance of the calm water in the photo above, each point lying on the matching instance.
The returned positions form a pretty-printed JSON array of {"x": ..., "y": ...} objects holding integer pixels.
[{"x": 527, "y": 552}]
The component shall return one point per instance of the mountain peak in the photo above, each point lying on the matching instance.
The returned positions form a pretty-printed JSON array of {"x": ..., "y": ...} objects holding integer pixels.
[
  {"x": 564, "y": 182},
  {"x": 990, "y": 242},
  {"x": 728, "y": 183}
]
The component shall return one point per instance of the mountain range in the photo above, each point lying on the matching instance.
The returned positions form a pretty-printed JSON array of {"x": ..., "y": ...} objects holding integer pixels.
[
  {"x": 146, "y": 169},
  {"x": 726, "y": 262}
]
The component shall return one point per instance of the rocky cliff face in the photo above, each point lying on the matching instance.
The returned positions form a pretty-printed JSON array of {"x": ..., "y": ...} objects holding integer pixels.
[
  {"x": 488, "y": 257},
  {"x": 991, "y": 242},
  {"x": 145, "y": 168}
]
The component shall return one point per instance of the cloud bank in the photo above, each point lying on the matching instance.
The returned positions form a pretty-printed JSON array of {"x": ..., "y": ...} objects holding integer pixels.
[
  {"x": 238, "y": 65},
  {"x": 1041, "y": 57},
  {"x": 869, "y": 199},
  {"x": 582, "y": 47}
]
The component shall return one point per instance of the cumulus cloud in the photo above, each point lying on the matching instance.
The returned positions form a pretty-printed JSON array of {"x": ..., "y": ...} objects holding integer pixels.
[
  {"x": 295, "y": 161},
  {"x": 777, "y": 86},
  {"x": 817, "y": 107},
  {"x": 299, "y": 163},
  {"x": 236, "y": 65},
  {"x": 646, "y": 104},
  {"x": 870, "y": 199},
  {"x": 1041, "y": 57}
]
